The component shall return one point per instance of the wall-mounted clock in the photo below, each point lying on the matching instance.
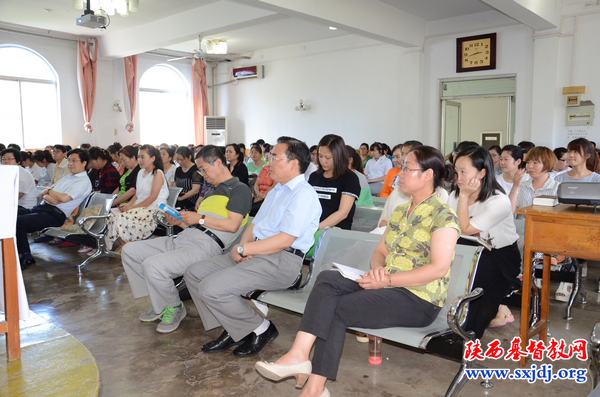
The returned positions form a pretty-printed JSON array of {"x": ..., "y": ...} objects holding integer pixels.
[{"x": 475, "y": 53}]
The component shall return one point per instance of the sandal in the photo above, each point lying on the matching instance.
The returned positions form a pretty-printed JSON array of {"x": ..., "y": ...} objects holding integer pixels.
[
  {"x": 55, "y": 242},
  {"x": 84, "y": 249},
  {"x": 503, "y": 317},
  {"x": 563, "y": 293}
]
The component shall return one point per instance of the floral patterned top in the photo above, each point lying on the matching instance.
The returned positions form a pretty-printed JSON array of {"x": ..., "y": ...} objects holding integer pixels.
[{"x": 408, "y": 241}]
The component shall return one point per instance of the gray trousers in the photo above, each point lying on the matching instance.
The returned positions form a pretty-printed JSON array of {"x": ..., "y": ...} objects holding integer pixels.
[
  {"x": 216, "y": 285},
  {"x": 151, "y": 265}
]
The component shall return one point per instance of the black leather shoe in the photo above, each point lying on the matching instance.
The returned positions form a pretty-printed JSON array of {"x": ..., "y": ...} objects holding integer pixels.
[
  {"x": 223, "y": 342},
  {"x": 25, "y": 263},
  {"x": 254, "y": 343}
]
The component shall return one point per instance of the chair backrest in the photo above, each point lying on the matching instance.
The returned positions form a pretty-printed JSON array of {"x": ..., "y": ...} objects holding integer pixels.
[
  {"x": 366, "y": 218},
  {"x": 347, "y": 247},
  {"x": 106, "y": 201},
  {"x": 173, "y": 194},
  {"x": 462, "y": 275},
  {"x": 379, "y": 201}
]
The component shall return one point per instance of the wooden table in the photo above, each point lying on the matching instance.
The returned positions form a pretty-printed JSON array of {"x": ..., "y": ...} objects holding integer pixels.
[{"x": 562, "y": 230}]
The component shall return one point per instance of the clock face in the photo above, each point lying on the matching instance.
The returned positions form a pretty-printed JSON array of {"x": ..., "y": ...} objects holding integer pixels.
[{"x": 476, "y": 53}]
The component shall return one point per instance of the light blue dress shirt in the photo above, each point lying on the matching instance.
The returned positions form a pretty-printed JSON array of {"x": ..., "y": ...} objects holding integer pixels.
[{"x": 292, "y": 208}]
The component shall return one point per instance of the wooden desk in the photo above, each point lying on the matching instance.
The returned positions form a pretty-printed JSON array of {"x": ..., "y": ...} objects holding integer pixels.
[{"x": 562, "y": 230}]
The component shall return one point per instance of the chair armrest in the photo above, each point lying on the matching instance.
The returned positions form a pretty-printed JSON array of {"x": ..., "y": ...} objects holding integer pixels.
[
  {"x": 455, "y": 310},
  {"x": 160, "y": 218},
  {"x": 82, "y": 221}
]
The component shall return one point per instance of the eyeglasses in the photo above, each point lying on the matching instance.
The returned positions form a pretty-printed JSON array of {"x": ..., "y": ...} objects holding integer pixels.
[
  {"x": 404, "y": 169},
  {"x": 454, "y": 153},
  {"x": 8, "y": 159},
  {"x": 275, "y": 159},
  {"x": 202, "y": 171},
  {"x": 73, "y": 160}
]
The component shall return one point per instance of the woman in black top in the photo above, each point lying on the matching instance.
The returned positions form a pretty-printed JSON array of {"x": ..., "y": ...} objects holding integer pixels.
[
  {"x": 235, "y": 157},
  {"x": 188, "y": 178},
  {"x": 337, "y": 186},
  {"x": 126, "y": 188}
]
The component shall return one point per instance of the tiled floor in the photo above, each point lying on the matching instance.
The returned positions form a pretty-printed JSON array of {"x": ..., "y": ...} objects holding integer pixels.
[{"x": 134, "y": 360}]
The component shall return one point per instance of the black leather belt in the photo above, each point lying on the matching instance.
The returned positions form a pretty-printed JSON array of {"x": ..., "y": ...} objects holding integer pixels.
[
  {"x": 209, "y": 234},
  {"x": 51, "y": 207},
  {"x": 295, "y": 252}
]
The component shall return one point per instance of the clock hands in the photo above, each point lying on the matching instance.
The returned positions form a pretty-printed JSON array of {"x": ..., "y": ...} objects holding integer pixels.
[{"x": 475, "y": 53}]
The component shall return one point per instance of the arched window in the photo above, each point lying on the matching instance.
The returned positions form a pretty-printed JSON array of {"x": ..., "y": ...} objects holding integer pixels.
[
  {"x": 165, "y": 108},
  {"x": 29, "y": 111}
]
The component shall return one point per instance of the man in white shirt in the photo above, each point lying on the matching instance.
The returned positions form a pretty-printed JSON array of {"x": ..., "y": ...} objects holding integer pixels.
[
  {"x": 59, "y": 201},
  {"x": 27, "y": 195}
]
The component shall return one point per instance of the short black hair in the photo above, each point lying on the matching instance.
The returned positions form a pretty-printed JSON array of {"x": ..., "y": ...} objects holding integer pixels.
[
  {"x": 14, "y": 146},
  {"x": 62, "y": 148},
  {"x": 96, "y": 153},
  {"x": 16, "y": 153},
  {"x": 296, "y": 150},
  {"x": 83, "y": 155},
  {"x": 185, "y": 152},
  {"x": 413, "y": 144},
  {"x": 210, "y": 154},
  {"x": 260, "y": 141},
  {"x": 85, "y": 146}
]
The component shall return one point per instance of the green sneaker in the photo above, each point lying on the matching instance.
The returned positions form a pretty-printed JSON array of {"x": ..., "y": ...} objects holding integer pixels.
[
  {"x": 150, "y": 316},
  {"x": 171, "y": 318}
]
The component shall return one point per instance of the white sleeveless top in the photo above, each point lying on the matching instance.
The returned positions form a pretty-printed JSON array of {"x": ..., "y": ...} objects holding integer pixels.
[{"x": 143, "y": 187}]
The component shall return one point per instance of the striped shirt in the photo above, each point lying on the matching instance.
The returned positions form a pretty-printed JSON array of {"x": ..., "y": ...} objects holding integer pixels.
[{"x": 527, "y": 192}]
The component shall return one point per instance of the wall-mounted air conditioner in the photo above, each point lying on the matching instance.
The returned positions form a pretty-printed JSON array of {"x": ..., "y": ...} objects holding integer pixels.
[
  {"x": 249, "y": 72},
  {"x": 215, "y": 130}
]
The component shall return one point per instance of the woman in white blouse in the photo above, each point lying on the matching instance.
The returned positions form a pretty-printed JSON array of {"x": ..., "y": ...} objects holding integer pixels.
[
  {"x": 135, "y": 220},
  {"x": 377, "y": 168},
  {"x": 166, "y": 155},
  {"x": 44, "y": 160},
  {"x": 513, "y": 168}
]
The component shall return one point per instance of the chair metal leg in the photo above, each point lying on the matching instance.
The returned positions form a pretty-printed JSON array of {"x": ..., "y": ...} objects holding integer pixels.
[
  {"x": 460, "y": 379},
  {"x": 575, "y": 291},
  {"x": 102, "y": 250}
]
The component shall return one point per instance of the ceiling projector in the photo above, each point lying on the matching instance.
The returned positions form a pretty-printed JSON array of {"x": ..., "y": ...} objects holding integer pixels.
[{"x": 92, "y": 21}]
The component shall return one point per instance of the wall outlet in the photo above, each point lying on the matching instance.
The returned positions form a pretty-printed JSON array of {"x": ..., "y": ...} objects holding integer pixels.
[{"x": 115, "y": 131}]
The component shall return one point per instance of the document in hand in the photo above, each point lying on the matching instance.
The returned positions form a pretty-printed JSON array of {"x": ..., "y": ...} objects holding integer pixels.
[{"x": 349, "y": 272}]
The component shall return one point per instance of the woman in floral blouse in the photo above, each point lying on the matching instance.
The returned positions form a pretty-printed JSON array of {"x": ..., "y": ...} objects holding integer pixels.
[{"x": 406, "y": 286}]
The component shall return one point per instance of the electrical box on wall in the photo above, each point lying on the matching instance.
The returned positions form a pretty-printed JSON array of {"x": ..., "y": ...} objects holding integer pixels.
[{"x": 581, "y": 115}]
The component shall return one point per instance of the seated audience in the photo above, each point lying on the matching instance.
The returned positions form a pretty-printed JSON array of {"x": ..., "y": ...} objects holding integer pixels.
[
  {"x": 483, "y": 211},
  {"x": 256, "y": 162},
  {"x": 243, "y": 150},
  {"x": 583, "y": 161},
  {"x": 167, "y": 154},
  {"x": 59, "y": 201},
  {"x": 562, "y": 165},
  {"x": 187, "y": 178},
  {"x": 27, "y": 192},
  {"x": 114, "y": 155},
  {"x": 268, "y": 258},
  {"x": 355, "y": 164},
  {"x": 337, "y": 187},
  {"x": 104, "y": 177},
  {"x": 364, "y": 154},
  {"x": 126, "y": 188},
  {"x": 513, "y": 169},
  {"x": 59, "y": 154},
  {"x": 406, "y": 286},
  {"x": 44, "y": 160},
  {"x": 152, "y": 265},
  {"x": 540, "y": 161},
  {"x": 30, "y": 165},
  {"x": 262, "y": 186},
  {"x": 377, "y": 168},
  {"x": 235, "y": 158},
  {"x": 134, "y": 221},
  {"x": 496, "y": 152},
  {"x": 391, "y": 178}
]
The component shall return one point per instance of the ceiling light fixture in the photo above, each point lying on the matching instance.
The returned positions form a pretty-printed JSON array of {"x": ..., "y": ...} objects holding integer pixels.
[
  {"x": 332, "y": 28},
  {"x": 216, "y": 46},
  {"x": 122, "y": 7}
]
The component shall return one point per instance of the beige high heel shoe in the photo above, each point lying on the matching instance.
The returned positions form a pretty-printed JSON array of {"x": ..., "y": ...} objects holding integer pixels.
[{"x": 300, "y": 371}]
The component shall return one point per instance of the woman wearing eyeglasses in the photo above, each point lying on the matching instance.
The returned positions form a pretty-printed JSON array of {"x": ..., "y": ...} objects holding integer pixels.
[
  {"x": 406, "y": 286},
  {"x": 485, "y": 212},
  {"x": 562, "y": 165}
]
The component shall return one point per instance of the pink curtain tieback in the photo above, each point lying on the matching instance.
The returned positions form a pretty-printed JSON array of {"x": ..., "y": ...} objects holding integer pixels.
[
  {"x": 129, "y": 127},
  {"x": 88, "y": 127}
]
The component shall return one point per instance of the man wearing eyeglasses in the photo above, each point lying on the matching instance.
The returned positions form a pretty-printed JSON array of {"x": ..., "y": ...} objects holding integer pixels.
[
  {"x": 269, "y": 256},
  {"x": 151, "y": 265},
  {"x": 58, "y": 202}
]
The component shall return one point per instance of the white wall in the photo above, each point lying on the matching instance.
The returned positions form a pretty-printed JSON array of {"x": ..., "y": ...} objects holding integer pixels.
[
  {"x": 354, "y": 87},
  {"x": 62, "y": 55}
]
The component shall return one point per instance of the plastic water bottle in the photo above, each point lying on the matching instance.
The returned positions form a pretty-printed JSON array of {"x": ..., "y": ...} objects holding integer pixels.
[{"x": 375, "y": 357}]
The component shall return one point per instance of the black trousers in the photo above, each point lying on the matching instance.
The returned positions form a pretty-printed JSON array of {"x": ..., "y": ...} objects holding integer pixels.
[
  {"x": 336, "y": 303},
  {"x": 497, "y": 275},
  {"x": 33, "y": 220}
]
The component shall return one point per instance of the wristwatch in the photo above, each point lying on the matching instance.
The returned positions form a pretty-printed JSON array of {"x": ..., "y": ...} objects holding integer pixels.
[
  {"x": 201, "y": 221},
  {"x": 240, "y": 250}
]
